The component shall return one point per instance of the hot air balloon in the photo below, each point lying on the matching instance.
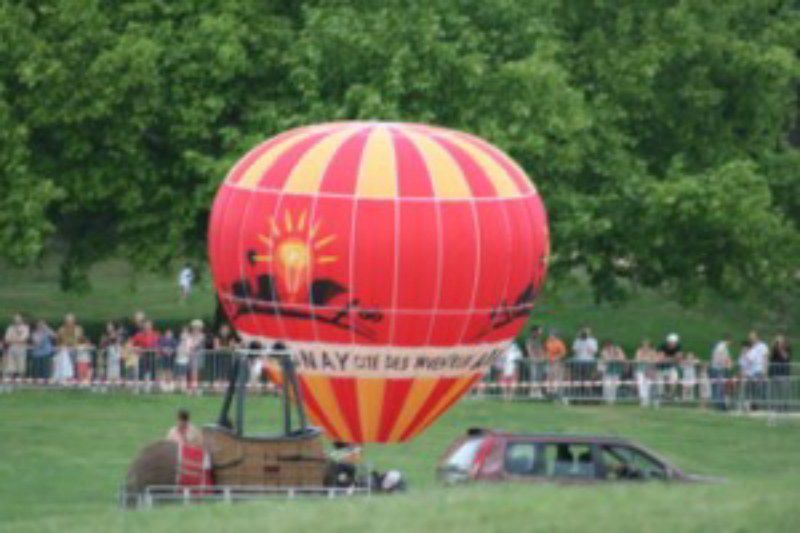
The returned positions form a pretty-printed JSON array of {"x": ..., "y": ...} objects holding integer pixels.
[{"x": 395, "y": 260}]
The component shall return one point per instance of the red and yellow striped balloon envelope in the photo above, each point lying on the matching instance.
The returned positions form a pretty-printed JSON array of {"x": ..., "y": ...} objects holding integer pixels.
[{"x": 395, "y": 260}]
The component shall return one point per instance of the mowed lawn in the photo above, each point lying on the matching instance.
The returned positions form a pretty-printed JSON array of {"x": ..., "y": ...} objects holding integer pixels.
[{"x": 63, "y": 455}]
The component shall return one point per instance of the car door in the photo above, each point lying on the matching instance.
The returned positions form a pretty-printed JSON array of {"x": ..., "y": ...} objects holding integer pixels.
[{"x": 569, "y": 462}]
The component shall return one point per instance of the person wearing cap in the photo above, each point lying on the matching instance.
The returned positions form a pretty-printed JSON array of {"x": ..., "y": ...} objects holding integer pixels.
[{"x": 670, "y": 353}]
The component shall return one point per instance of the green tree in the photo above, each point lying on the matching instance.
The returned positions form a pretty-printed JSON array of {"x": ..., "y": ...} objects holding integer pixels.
[{"x": 656, "y": 131}]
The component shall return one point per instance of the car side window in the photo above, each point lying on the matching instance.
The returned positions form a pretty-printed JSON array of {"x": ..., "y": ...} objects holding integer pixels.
[
  {"x": 520, "y": 458},
  {"x": 623, "y": 462},
  {"x": 566, "y": 460}
]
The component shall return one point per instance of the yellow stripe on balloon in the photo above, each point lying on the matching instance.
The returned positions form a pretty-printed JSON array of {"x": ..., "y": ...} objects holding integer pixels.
[
  {"x": 320, "y": 387},
  {"x": 419, "y": 392},
  {"x": 370, "y": 403},
  {"x": 447, "y": 179},
  {"x": 256, "y": 171},
  {"x": 456, "y": 389},
  {"x": 306, "y": 176},
  {"x": 377, "y": 173},
  {"x": 503, "y": 183}
]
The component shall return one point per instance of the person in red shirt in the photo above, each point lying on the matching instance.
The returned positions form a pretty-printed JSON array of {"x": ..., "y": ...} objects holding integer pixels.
[{"x": 146, "y": 344}]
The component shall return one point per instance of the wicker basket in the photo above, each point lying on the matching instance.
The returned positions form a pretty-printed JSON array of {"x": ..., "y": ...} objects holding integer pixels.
[{"x": 282, "y": 461}]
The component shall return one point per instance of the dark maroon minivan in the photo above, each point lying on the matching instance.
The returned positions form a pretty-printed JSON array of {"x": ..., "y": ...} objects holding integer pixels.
[{"x": 490, "y": 455}]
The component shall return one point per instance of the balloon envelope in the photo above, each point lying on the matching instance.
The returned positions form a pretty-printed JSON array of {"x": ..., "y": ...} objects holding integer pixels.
[{"x": 396, "y": 260}]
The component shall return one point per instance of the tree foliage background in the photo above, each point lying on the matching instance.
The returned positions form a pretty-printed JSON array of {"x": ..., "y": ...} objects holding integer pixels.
[{"x": 658, "y": 132}]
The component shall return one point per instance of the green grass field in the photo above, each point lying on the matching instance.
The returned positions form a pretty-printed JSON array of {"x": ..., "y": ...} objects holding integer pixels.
[{"x": 63, "y": 455}]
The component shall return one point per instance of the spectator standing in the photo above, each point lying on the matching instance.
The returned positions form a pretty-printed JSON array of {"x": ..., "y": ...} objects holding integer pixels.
[
  {"x": 584, "y": 351},
  {"x": 185, "y": 281},
  {"x": 146, "y": 344},
  {"x": 512, "y": 357},
  {"x": 533, "y": 369},
  {"x": 747, "y": 373},
  {"x": 68, "y": 336},
  {"x": 613, "y": 361},
  {"x": 689, "y": 364},
  {"x": 646, "y": 357},
  {"x": 223, "y": 346},
  {"x": 719, "y": 371},
  {"x": 42, "y": 349},
  {"x": 758, "y": 362},
  {"x": 226, "y": 339},
  {"x": 83, "y": 359},
  {"x": 555, "y": 351},
  {"x": 17, "y": 338},
  {"x": 779, "y": 370},
  {"x": 670, "y": 353},
  {"x": 780, "y": 358},
  {"x": 759, "y": 354},
  {"x": 197, "y": 343},
  {"x": 167, "y": 349},
  {"x": 182, "y": 356},
  {"x": 135, "y": 324},
  {"x": 111, "y": 347}
]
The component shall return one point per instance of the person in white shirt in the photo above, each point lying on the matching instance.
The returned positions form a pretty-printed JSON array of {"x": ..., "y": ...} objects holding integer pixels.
[
  {"x": 17, "y": 338},
  {"x": 758, "y": 354},
  {"x": 584, "y": 351},
  {"x": 584, "y": 348},
  {"x": 511, "y": 359},
  {"x": 719, "y": 371},
  {"x": 753, "y": 363},
  {"x": 185, "y": 281}
]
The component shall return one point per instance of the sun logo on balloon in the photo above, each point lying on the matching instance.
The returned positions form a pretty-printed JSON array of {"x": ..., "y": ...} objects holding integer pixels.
[{"x": 294, "y": 245}]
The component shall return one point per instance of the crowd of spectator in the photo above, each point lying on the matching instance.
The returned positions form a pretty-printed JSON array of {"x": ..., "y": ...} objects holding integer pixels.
[
  {"x": 666, "y": 370},
  {"x": 136, "y": 350},
  {"x": 129, "y": 350}
]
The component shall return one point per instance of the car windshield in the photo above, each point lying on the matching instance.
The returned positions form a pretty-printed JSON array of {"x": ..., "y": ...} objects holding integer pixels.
[
  {"x": 622, "y": 462},
  {"x": 463, "y": 456}
]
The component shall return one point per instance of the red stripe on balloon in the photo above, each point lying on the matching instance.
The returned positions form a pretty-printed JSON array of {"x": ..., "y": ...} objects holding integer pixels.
[
  {"x": 449, "y": 403},
  {"x": 479, "y": 183},
  {"x": 435, "y": 396},
  {"x": 411, "y": 168},
  {"x": 519, "y": 178},
  {"x": 313, "y": 408},
  {"x": 276, "y": 175},
  {"x": 347, "y": 397},
  {"x": 342, "y": 173},
  {"x": 395, "y": 393},
  {"x": 246, "y": 162}
]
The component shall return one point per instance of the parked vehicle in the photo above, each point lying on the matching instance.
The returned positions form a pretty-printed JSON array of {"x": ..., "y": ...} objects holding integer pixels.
[{"x": 491, "y": 455}]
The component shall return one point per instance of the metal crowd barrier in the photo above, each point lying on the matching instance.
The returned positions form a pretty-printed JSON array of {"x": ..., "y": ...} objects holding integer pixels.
[
  {"x": 174, "y": 494},
  {"x": 777, "y": 388},
  {"x": 567, "y": 381},
  {"x": 141, "y": 370}
]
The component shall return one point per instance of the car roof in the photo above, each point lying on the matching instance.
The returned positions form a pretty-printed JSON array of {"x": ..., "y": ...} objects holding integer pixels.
[{"x": 552, "y": 437}]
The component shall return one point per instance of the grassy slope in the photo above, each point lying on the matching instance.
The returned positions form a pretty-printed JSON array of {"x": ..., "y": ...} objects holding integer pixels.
[
  {"x": 63, "y": 454},
  {"x": 116, "y": 294}
]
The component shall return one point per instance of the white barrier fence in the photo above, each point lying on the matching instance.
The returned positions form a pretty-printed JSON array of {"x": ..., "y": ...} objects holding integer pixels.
[{"x": 776, "y": 387}]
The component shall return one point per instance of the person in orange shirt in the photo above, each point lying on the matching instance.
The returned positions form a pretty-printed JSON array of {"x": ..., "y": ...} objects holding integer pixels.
[{"x": 555, "y": 349}]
